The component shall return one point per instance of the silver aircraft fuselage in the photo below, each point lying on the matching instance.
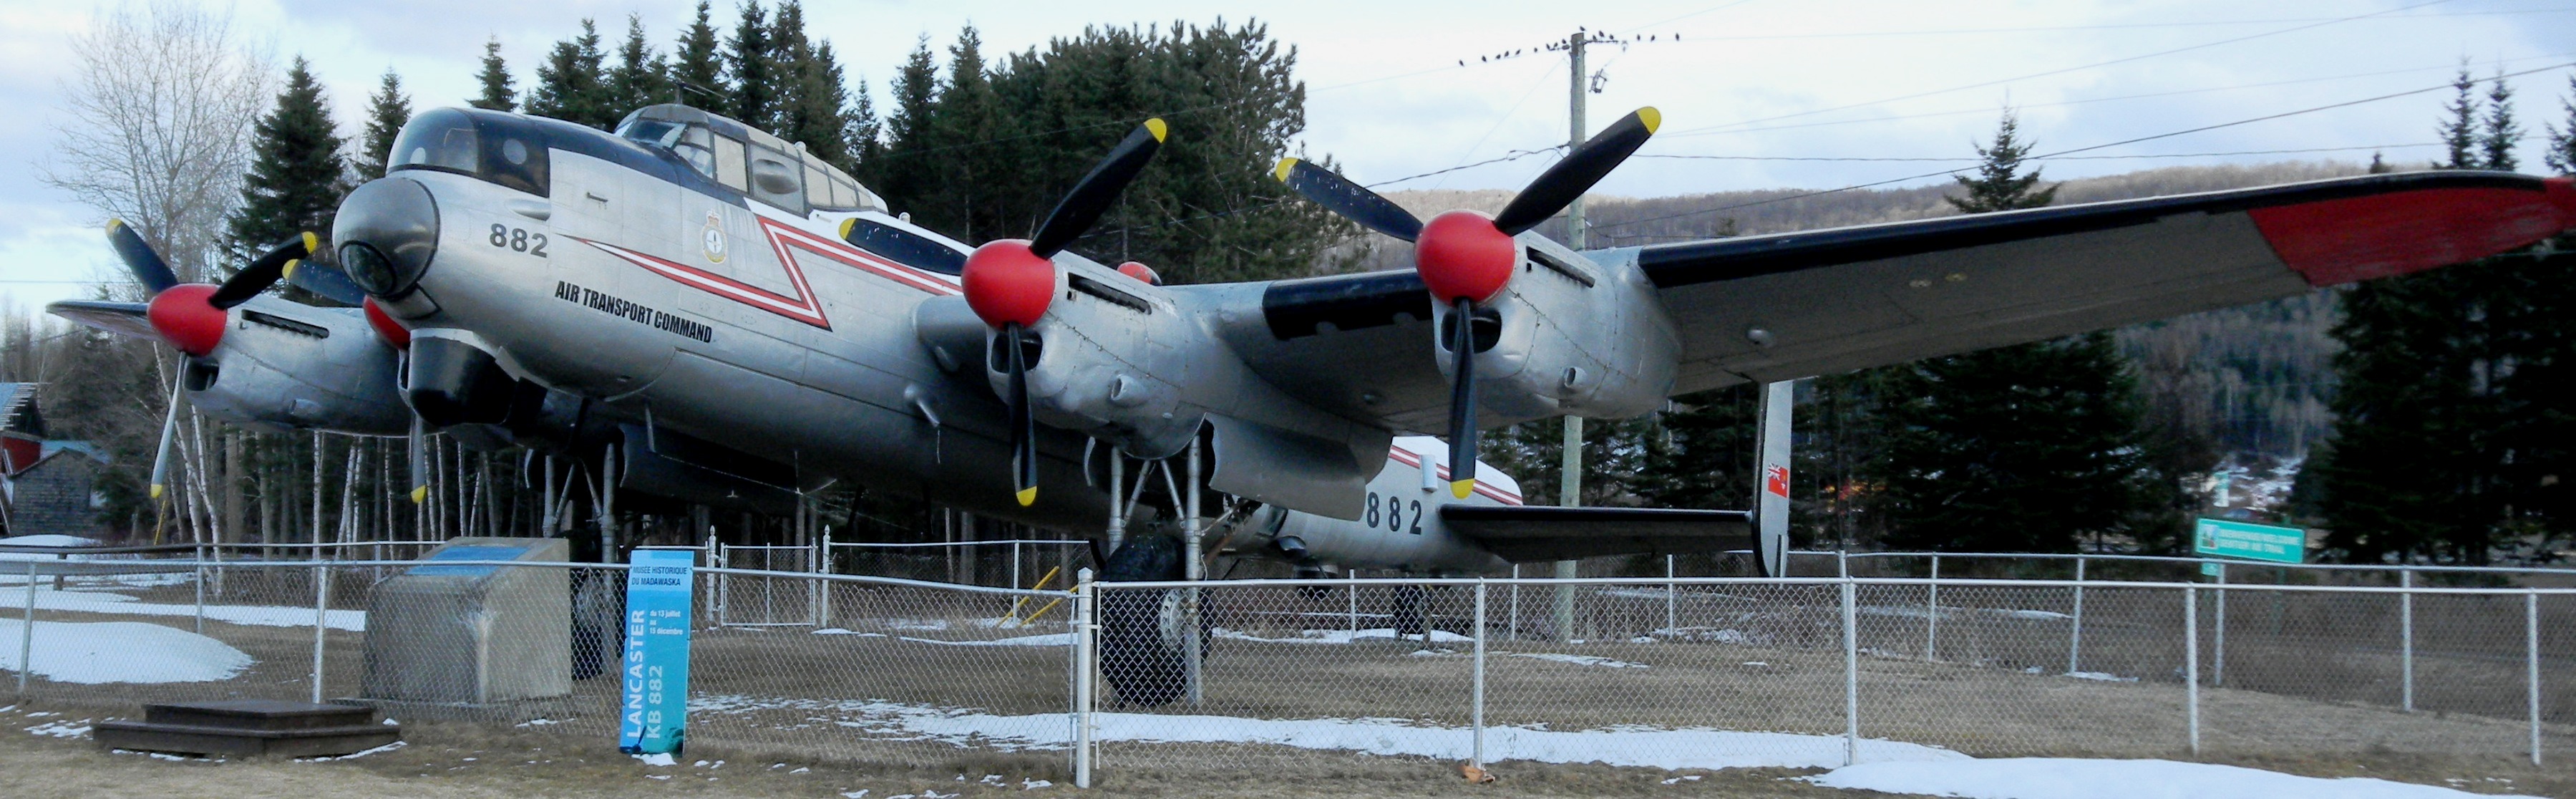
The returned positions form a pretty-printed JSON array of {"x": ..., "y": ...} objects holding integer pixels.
[{"x": 758, "y": 325}]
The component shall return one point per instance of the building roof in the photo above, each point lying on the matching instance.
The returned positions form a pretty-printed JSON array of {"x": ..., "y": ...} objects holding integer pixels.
[{"x": 18, "y": 409}]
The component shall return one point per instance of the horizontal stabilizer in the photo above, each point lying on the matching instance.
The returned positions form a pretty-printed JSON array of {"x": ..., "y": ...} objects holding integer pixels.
[
  {"x": 1521, "y": 533},
  {"x": 121, "y": 318}
]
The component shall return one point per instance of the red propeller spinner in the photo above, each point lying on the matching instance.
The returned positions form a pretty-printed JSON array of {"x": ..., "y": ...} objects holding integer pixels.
[
  {"x": 1008, "y": 283},
  {"x": 1463, "y": 256}
]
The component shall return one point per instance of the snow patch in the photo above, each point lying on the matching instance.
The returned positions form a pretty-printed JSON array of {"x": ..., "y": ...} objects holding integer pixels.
[
  {"x": 61, "y": 729},
  {"x": 657, "y": 759},
  {"x": 2073, "y": 778},
  {"x": 1579, "y": 660},
  {"x": 1625, "y": 745},
  {"x": 121, "y": 652},
  {"x": 250, "y": 615},
  {"x": 361, "y": 753},
  {"x": 2102, "y": 676},
  {"x": 1344, "y": 636}
]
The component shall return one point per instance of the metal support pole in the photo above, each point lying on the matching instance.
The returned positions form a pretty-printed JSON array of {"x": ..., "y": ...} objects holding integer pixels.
[
  {"x": 1671, "y": 627},
  {"x": 1477, "y": 755},
  {"x": 1354, "y": 574},
  {"x": 2191, "y": 664},
  {"x": 321, "y": 613},
  {"x": 2218, "y": 632},
  {"x": 1851, "y": 677},
  {"x": 2406, "y": 639},
  {"x": 201, "y": 591},
  {"x": 1085, "y": 657},
  {"x": 1512, "y": 628},
  {"x": 1015, "y": 564},
  {"x": 1932, "y": 610},
  {"x": 1117, "y": 499},
  {"x": 1569, "y": 493},
  {"x": 27, "y": 632},
  {"x": 2531, "y": 664},
  {"x": 1192, "y": 659},
  {"x": 2075, "y": 626}
]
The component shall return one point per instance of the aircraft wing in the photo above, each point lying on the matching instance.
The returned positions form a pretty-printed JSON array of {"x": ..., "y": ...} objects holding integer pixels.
[
  {"x": 121, "y": 318},
  {"x": 1791, "y": 305},
  {"x": 1525, "y": 534}
]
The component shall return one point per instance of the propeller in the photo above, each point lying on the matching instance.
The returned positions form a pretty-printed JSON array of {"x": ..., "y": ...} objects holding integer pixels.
[
  {"x": 1010, "y": 282},
  {"x": 325, "y": 281},
  {"x": 1466, "y": 258}
]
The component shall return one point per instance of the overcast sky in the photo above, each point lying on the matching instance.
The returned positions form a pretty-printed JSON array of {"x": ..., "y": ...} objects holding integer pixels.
[{"x": 1768, "y": 80}]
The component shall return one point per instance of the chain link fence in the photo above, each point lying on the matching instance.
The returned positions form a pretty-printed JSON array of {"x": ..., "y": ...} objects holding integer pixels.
[{"x": 1300, "y": 674}]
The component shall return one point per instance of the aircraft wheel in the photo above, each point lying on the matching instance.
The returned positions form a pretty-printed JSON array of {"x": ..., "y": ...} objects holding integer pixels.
[
  {"x": 1412, "y": 615},
  {"x": 1140, "y": 630}
]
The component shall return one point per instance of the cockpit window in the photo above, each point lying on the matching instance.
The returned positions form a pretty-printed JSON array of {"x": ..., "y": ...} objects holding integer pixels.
[
  {"x": 495, "y": 148},
  {"x": 442, "y": 139},
  {"x": 904, "y": 246}
]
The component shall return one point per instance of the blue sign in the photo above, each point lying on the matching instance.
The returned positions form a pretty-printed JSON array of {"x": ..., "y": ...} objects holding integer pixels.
[
  {"x": 655, "y": 707},
  {"x": 2250, "y": 541}
]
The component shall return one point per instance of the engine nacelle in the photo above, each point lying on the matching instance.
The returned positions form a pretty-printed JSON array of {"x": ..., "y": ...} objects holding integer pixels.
[
  {"x": 1111, "y": 359},
  {"x": 1568, "y": 336},
  {"x": 285, "y": 365}
]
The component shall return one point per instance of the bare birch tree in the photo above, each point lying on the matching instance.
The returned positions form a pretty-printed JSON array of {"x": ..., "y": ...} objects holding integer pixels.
[{"x": 162, "y": 103}]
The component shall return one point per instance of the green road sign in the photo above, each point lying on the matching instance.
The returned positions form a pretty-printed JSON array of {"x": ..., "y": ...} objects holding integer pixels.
[{"x": 2226, "y": 539}]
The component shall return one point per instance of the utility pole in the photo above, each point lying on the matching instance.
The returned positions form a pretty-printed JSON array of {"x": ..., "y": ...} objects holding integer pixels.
[{"x": 1569, "y": 491}]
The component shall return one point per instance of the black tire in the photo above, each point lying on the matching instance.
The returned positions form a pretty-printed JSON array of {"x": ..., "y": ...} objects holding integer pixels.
[
  {"x": 1140, "y": 648},
  {"x": 1412, "y": 616}
]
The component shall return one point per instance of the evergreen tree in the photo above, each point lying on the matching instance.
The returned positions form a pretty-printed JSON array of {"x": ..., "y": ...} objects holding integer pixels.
[
  {"x": 1999, "y": 184},
  {"x": 2562, "y": 141},
  {"x": 499, "y": 92},
  {"x": 862, "y": 130},
  {"x": 388, "y": 111},
  {"x": 752, "y": 69},
  {"x": 812, "y": 103},
  {"x": 640, "y": 78},
  {"x": 697, "y": 68},
  {"x": 294, "y": 184},
  {"x": 2502, "y": 133},
  {"x": 572, "y": 83},
  {"x": 2460, "y": 132},
  {"x": 969, "y": 192},
  {"x": 901, "y": 176},
  {"x": 2019, "y": 448}
]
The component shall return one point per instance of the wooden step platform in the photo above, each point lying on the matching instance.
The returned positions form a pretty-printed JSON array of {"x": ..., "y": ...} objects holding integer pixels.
[{"x": 250, "y": 727}]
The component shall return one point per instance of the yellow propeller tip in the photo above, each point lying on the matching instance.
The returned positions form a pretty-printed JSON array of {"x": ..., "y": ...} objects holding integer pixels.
[
  {"x": 1156, "y": 127},
  {"x": 1461, "y": 488},
  {"x": 1281, "y": 171},
  {"x": 313, "y": 243},
  {"x": 1028, "y": 496},
  {"x": 419, "y": 494},
  {"x": 1653, "y": 118},
  {"x": 114, "y": 223},
  {"x": 289, "y": 271},
  {"x": 156, "y": 490}
]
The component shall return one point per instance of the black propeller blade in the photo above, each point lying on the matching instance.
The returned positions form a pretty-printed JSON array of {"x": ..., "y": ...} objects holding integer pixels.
[
  {"x": 1462, "y": 401},
  {"x": 148, "y": 268},
  {"x": 327, "y": 281},
  {"x": 1353, "y": 201},
  {"x": 1092, "y": 195},
  {"x": 1585, "y": 165},
  {"x": 1024, "y": 433},
  {"x": 264, "y": 272}
]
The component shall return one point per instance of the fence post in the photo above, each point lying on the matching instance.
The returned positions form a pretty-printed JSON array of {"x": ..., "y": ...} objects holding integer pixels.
[
  {"x": 1851, "y": 677},
  {"x": 724, "y": 586},
  {"x": 1477, "y": 752},
  {"x": 1512, "y": 628},
  {"x": 1085, "y": 667},
  {"x": 2218, "y": 630},
  {"x": 1932, "y": 609},
  {"x": 1671, "y": 627},
  {"x": 27, "y": 632},
  {"x": 321, "y": 611},
  {"x": 201, "y": 591},
  {"x": 2191, "y": 663},
  {"x": 1354, "y": 576},
  {"x": 2406, "y": 639},
  {"x": 2075, "y": 629},
  {"x": 2531, "y": 663}
]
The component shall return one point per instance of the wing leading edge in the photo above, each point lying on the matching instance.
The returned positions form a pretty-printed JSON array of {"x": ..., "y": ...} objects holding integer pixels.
[
  {"x": 1790, "y": 305},
  {"x": 1848, "y": 298}
]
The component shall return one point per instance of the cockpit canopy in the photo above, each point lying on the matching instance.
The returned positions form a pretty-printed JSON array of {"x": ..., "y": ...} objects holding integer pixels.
[
  {"x": 674, "y": 142},
  {"x": 762, "y": 166}
]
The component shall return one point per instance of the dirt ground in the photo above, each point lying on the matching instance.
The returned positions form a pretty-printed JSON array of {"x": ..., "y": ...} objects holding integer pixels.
[{"x": 455, "y": 761}]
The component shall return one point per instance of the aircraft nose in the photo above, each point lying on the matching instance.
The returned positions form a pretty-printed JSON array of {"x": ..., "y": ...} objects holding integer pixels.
[{"x": 386, "y": 233}]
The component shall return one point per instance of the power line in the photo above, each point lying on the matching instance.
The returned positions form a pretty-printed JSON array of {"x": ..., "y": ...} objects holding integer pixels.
[
  {"x": 2062, "y": 70},
  {"x": 2114, "y": 98},
  {"x": 2106, "y": 26},
  {"x": 2069, "y": 157},
  {"x": 2203, "y": 128}
]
